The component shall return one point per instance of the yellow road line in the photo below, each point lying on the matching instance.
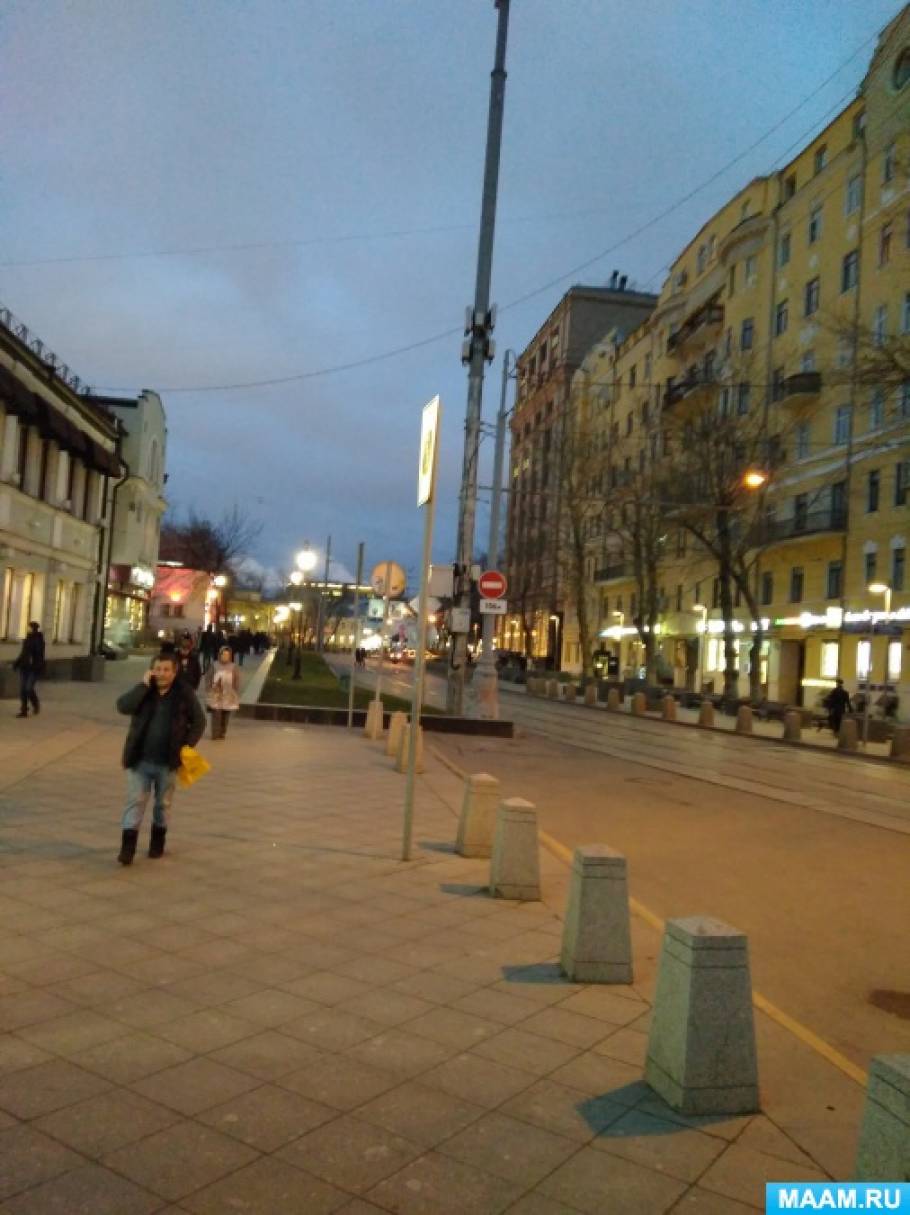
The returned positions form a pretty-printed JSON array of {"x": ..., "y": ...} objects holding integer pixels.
[{"x": 800, "y": 1031}]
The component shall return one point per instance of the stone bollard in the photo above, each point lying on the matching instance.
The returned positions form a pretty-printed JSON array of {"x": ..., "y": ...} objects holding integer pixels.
[
  {"x": 373, "y": 727},
  {"x": 613, "y": 699},
  {"x": 884, "y": 1139},
  {"x": 571, "y": 692},
  {"x": 401, "y": 759},
  {"x": 397, "y": 723},
  {"x": 900, "y": 744},
  {"x": 515, "y": 860},
  {"x": 793, "y": 726},
  {"x": 591, "y": 695},
  {"x": 848, "y": 735},
  {"x": 533, "y": 686},
  {"x": 701, "y": 1047},
  {"x": 668, "y": 706},
  {"x": 706, "y": 715},
  {"x": 553, "y": 689},
  {"x": 596, "y": 939},
  {"x": 744, "y": 720},
  {"x": 639, "y": 704},
  {"x": 478, "y": 815}
]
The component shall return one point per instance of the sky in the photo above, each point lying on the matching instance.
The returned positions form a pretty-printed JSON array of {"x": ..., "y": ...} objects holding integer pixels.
[{"x": 199, "y": 194}]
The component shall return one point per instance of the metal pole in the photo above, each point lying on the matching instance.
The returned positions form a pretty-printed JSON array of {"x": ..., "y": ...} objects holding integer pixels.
[
  {"x": 478, "y": 347},
  {"x": 356, "y": 633},
  {"x": 382, "y": 628},
  {"x": 320, "y": 613}
]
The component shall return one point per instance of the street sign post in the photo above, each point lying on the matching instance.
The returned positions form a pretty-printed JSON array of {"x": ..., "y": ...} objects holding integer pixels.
[
  {"x": 426, "y": 497},
  {"x": 492, "y": 584}
]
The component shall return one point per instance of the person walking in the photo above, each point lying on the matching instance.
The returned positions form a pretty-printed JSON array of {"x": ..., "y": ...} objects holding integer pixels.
[
  {"x": 837, "y": 702},
  {"x": 166, "y": 716},
  {"x": 222, "y": 691},
  {"x": 190, "y": 667},
  {"x": 30, "y": 665}
]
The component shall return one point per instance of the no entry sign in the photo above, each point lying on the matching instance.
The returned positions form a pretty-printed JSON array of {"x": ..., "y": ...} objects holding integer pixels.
[{"x": 492, "y": 584}]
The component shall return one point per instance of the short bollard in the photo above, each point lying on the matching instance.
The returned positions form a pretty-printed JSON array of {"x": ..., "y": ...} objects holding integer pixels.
[
  {"x": 793, "y": 726},
  {"x": 532, "y": 686},
  {"x": 570, "y": 693},
  {"x": 478, "y": 815},
  {"x": 596, "y": 940},
  {"x": 373, "y": 727},
  {"x": 900, "y": 744},
  {"x": 401, "y": 759},
  {"x": 515, "y": 860},
  {"x": 639, "y": 704},
  {"x": 744, "y": 720},
  {"x": 397, "y": 723},
  {"x": 668, "y": 708},
  {"x": 591, "y": 695},
  {"x": 847, "y": 735},
  {"x": 706, "y": 715},
  {"x": 553, "y": 689},
  {"x": 701, "y": 1047},
  {"x": 884, "y": 1138},
  {"x": 613, "y": 699}
]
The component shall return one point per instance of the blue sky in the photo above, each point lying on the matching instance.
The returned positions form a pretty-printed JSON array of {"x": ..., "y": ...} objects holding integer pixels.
[{"x": 212, "y": 193}]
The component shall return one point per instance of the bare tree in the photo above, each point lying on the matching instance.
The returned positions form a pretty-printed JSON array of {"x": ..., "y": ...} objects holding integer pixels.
[{"x": 205, "y": 544}]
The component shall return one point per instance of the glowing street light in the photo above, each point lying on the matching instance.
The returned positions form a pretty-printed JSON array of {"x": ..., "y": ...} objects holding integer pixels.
[
  {"x": 296, "y": 577},
  {"x": 755, "y": 478},
  {"x": 306, "y": 559},
  {"x": 220, "y": 580}
]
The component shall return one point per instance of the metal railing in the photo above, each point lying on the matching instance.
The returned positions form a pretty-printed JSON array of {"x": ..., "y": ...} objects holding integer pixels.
[
  {"x": 61, "y": 370},
  {"x": 831, "y": 519}
]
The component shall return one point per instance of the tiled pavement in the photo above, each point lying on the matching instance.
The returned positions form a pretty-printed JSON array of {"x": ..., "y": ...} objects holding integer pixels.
[{"x": 280, "y": 1016}]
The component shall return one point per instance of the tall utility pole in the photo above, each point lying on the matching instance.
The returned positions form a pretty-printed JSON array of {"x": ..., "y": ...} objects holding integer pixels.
[
  {"x": 320, "y": 645},
  {"x": 478, "y": 349}
]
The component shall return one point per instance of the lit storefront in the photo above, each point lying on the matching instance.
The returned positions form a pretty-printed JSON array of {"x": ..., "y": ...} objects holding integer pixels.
[{"x": 126, "y": 608}]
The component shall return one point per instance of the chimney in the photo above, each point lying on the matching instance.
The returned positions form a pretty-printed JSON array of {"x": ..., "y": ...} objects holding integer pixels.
[
  {"x": 613, "y": 278},
  {"x": 623, "y": 281}
]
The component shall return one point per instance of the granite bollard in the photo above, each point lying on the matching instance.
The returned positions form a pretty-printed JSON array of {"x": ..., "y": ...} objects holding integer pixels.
[
  {"x": 515, "y": 859},
  {"x": 847, "y": 735},
  {"x": 706, "y": 715},
  {"x": 591, "y": 695},
  {"x": 639, "y": 704},
  {"x": 553, "y": 689},
  {"x": 613, "y": 699},
  {"x": 477, "y": 821},
  {"x": 570, "y": 693},
  {"x": 397, "y": 723},
  {"x": 401, "y": 758},
  {"x": 744, "y": 719},
  {"x": 884, "y": 1138},
  {"x": 668, "y": 708},
  {"x": 793, "y": 726},
  {"x": 596, "y": 938},
  {"x": 701, "y": 1048},
  {"x": 373, "y": 727},
  {"x": 900, "y": 744}
]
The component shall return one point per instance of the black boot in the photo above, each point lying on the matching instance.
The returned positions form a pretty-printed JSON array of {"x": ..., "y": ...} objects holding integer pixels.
[
  {"x": 128, "y": 843},
  {"x": 23, "y": 712},
  {"x": 36, "y": 703},
  {"x": 156, "y": 843}
]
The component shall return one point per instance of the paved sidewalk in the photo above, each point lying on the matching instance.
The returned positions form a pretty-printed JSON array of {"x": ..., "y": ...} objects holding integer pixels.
[{"x": 280, "y": 1016}]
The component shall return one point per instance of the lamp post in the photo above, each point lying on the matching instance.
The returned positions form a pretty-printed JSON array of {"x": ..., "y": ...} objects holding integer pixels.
[
  {"x": 874, "y": 588},
  {"x": 700, "y": 607},
  {"x": 620, "y": 626}
]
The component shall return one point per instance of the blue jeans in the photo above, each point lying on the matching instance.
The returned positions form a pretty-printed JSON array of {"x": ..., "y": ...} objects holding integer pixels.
[{"x": 140, "y": 781}]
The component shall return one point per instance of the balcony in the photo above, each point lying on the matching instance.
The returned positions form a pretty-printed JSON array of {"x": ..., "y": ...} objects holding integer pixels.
[
  {"x": 801, "y": 388},
  {"x": 708, "y": 316},
  {"x": 806, "y": 523},
  {"x": 683, "y": 388},
  {"x": 610, "y": 573}
]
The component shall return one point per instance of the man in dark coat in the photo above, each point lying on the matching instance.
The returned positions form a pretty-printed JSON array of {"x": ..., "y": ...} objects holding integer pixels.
[
  {"x": 190, "y": 668},
  {"x": 30, "y": 665},
  {"x": 165, "y": 717},
  {"x": 837, "y": 702}
]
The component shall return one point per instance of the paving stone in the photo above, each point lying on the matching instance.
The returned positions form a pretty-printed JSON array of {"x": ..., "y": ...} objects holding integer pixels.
[
  {"x": 596, "y": 1182},
  {"x": 331, "y": 1029},
  {"x": 180, "y": 1160},
  {"x": 761, "y": 1135},
  {"x": 99, "y": 987},
  {"x": 531, "y": 1052},
  {"x": 130, "y": 1057},
  {"x": 667, "y": 1147},
  {"x": 421, "y": 1114},
  {"x": 437, "y": 1185},
  {"x": 564, "y": 1026},
  {"x": 326, "y": 987},
  {"x": 626, "y": 1045},
  {"x": 537, "y": 1204},
  {"x": 340, "y": 1082},
  {"x": 153, "y": 1007},
  {"x": 435, "y": 987},
  {"x": 741, "y": 1173},
  {"x": 478, "y": 1079},
  {"x": 508, "y": 1148},
  {"x": 703, "y": 1202},
  {"x": 460, "y": 1030},
  {"x": 267, "y": 1117},
  {"x": 29, "y": 1158},
  {"x": 88, "y": 1191},
  {"x": 74, "y": 1032},
  {"x": 106, "y": 1122},
  {"x": 267, "y": 1187},
  {"x": 42, "y": 972},
  {"x": 49, "y": 1086},
  {"x": 268, "y": 1055},
  {"x": 16, "y": 1053},
  {"x": 270, "y": 1007},
  {"x": 386, "y": 1007},
  {"x": 565, "y": 1111},
  {"x": 599, "y": 1075},
  {"x": 351, "y": 1154},
  {"x": 497, "y": 1006},
  {"x": 606, "y": 1005},
  {"x": 195, "y": 1085},
  {"x": 31, "y": 1008},
  {"x": 213, "y": 988},
  {"x": 400, "y": 1052},
  {"x": 206, "y": 1030}
]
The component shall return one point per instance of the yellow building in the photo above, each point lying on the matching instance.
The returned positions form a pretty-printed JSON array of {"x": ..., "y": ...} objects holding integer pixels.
[{"x": 790, "y": 311}]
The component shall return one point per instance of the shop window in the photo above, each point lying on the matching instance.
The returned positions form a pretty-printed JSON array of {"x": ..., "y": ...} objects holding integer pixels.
[
  {"x": 863, "y": 659},
  {"x": 829, "y": 656},
  {"x": 894, "y": 661},
  {"x": 17, "y": 604},
  {"x": 797, "y": 578}
]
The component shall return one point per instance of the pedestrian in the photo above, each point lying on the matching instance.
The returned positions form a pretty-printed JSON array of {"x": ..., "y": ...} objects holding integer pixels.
[
  {"x": 190, "y": 667},
  {"x": 30, "y": 665},
  {"x": 837, "y": 702},
  {"x": 222, "y": 691},
  {"x": 207, "y": 647},
  {"x": 166, "y": 716}
]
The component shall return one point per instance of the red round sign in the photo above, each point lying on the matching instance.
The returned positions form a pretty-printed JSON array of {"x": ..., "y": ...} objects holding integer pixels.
[{"x": 492, "y": 584}]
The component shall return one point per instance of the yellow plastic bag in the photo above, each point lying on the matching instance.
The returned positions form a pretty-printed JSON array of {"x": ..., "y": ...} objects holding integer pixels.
[{"x": 192, "y": 766}]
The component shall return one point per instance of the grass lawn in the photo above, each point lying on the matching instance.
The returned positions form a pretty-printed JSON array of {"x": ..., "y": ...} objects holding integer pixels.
[{"x": 318, "y": 685}]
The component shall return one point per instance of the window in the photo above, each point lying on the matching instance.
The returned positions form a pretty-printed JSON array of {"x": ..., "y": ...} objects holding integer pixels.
[
  {"x": 884, "y": 244},
  {"x": 742, "y": 400},
  {"x": 876, "y": 409},
  {"x": 789, "y": 187},
  {"x": 889, "y": 161},
  {"x": 807, "y": 361},
  {"x": 680, "y": 544},
  {"x": 903, "y": 399},
  {"x": 767, "y": 587},
  {"x": 812, "y": 292},
  {"x": 630, "y": 422},
  {"x": 815, "y": 224},
  {"x": 849, "y": 274},
  {"x": 796, "y": 584},
  {"x": 897, "y": 569},
  {"x": 859, "y": 124},
  {"x": 870, "y": 562},
  {"x": 778, "y": 380},
  {"x": 854, "y": 194},
  {"x": 747, "y": 334},
  {"x": 803, "y": 434},
  {"x": 902, "y": 73},
  {"x": 821, "y": 157},
  {"x": 901, "y": 482},
  {"x": 905, "y": 314},
  {"x": 701, "y": 259},
  {"x": 751, "y": 269},
  {"x": 783, "y": 250},
  {"x": 873, "y": 484},
  {"x": 894, "y": 661},
  {"x": 829, "y": 655},
  {"x": 781, "y": 318},
  {"x": 22, "y": 457},
  {"x": 800, "y": 512},
  {"x": 731, "y": 280},
  {"x": 17, "y": 606},
  {"x": 648, "y": 370},
  {"x": 863, "y": 659},
  {"x": 724, "y": 402},
  {"x": 833, "y": 580},
  {"x": 839, "y": 502},
  {"x": 880, "y": 325},
  {"x": 632, "y": 376}
]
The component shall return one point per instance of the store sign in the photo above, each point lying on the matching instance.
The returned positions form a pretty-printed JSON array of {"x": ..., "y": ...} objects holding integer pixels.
[{"x": 867, "y": 617}]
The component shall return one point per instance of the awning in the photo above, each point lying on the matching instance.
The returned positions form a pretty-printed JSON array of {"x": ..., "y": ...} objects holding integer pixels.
[{"x": 18, "y": 399}]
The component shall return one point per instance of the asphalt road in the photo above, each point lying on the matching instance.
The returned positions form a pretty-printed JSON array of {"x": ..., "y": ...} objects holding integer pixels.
[{"x": 807, "y": 851}]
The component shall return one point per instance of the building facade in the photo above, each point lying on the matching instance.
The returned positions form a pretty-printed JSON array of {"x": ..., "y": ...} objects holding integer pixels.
[{"x": 58, "y": 457}]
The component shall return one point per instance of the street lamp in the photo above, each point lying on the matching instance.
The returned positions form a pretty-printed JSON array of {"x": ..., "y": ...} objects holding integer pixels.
[
  {"x": 754, "y": 478},
  {"x": 700, "y": 607},
  {"x": 306, "y": 558},
  {"x": 557, "y": 657}
]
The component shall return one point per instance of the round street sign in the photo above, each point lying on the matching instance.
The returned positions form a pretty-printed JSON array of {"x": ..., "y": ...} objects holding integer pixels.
[
  {"x": 492, "y": 584},
  {"x": 388, "y": 578}
]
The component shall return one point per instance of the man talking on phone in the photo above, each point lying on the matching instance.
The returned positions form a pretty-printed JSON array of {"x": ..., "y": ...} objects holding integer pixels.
[{"x": 165, "y": 717}]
